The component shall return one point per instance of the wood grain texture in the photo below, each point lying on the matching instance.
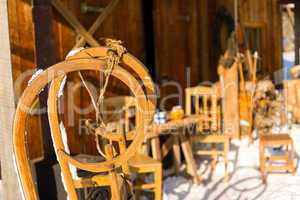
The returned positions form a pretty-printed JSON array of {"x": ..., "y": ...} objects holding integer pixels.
[
  {"x": 11, "y": 188},
  {"x": 183, "y": 32},
  {"x": 23, "y": 64},
  {"x": 230, "y": 105},
  {"x": 116, "y": 25},
  {"x": 176, "y": 47},
  {"x": 28, "y": 98},
  {"x": 208, "y": 130}
]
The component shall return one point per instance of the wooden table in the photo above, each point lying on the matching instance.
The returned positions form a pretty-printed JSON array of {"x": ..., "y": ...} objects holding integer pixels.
[
  {"x": 276, "y": 140},
  {"x": 178, "y": 139}
]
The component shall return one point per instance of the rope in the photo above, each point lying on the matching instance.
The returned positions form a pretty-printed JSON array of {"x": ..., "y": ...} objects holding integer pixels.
[{"x": 114, "y": 55}]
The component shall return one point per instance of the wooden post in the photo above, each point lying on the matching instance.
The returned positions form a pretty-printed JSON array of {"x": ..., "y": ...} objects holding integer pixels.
[
  {"x": 230, "y": 106},
  {"x": 11, "y": 188},
  {"x": 45, "y": 57}
]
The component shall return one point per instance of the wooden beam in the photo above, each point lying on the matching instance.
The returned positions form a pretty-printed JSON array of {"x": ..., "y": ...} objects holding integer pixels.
[
  {"x": 74, "y": 22},
  {"x": 45, "y": 57},
  {"x": 98, "y": 22},
  {"x": 11, "y": 188}
]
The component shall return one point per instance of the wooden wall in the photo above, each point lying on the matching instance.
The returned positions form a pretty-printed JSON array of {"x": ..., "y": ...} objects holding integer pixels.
[
  {"x": 23, "y": 62},
  {"x": 186, "y": 31},
  {"x": 268, "y": 14},
  {"x": 264, "y": 13},
  {"x": 176, "y": 48},
  {"x": 124, "y": 23},
  {"x": 183, "y": 37}
]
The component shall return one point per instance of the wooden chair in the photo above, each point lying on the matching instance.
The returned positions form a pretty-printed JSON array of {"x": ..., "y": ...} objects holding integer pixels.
[
  {"x": 275, "y": 140},
  {"x": 26, "y": 102},
  {"x": 139, "y": 71},
  {"x": 110, "y": 178},
  {"x": 123, "y": 109},
  {"x": 205, "y": 102}
]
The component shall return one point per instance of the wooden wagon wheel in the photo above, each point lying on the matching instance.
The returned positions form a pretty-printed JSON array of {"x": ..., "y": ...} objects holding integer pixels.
[
  {"x": 30, "y": 94},
  {"x": 132, "y": 65}
]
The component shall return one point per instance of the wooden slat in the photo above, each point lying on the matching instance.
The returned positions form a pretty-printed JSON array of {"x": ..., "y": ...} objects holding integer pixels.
[
  {"x": 23, "y": 56},
  {"x": 176, "y": 46},
  {"x": 24, "y": 49},
  {"x": 74, "y": 22},
  {"x": 11, "y": 188},
  {"x": 98, "y": 22}
]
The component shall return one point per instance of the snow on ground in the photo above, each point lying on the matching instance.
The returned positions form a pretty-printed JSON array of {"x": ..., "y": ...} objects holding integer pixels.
[{"x": 245, "y": 182}]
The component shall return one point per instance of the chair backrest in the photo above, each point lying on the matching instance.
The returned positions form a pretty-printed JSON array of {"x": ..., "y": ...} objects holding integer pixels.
[
  {"x": 120, "y": 110},
  {"x": 204, "y": 101},
  {"x": 134, "y": 66},
  {"x": 70, "y": 178},
  {"x": 136, "y": 69},
  {"x": 55, "y": 74}
]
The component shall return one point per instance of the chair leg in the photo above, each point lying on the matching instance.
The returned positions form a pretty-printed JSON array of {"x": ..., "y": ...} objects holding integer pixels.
[
  {"x": 137, "y": 194},
  {"x": 226, "y": 150},
  {"x": 213, "y": 163},
  {"x": 262, "y": 162},
  {"x": 293, "y": 168},
  {"x": 189, "y": 158},
  {"x": 214, "y": 158},
  {"x": 155, "y": 147},
  {"x": 115, "y": 193},
  {"x": 115, "y": 186},
  {"x": 158, "y": 183}
]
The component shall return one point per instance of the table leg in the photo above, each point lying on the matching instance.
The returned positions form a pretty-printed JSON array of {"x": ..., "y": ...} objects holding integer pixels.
[
  {"x": 176, "y": 152},
  {"x": 188, "y": 155},
  {"x": 155, "y": 147}
]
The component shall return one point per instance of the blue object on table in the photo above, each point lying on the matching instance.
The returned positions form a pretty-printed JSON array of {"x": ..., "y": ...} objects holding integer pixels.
[{"x": 160, "y": 117}]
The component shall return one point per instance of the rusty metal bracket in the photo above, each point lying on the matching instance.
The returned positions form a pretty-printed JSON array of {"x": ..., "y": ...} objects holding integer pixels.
[{"x": 85, "y": 8}]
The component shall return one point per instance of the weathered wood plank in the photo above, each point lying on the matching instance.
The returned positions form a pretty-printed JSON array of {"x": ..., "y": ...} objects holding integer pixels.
[
  {"x": 11, "y": 189},
  {"x": 27, "y": 63},
  {"x": 98, "y": 22},
  {"x": 230, "y": 103}
]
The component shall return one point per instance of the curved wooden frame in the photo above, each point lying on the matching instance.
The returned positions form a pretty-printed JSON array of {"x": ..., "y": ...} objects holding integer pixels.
[
  {"x": 70, "y": 183},
  {"x": 27, "y": 99},
  {"x": 141, "y": 72},
  {"x": 133, "y": 64}
]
